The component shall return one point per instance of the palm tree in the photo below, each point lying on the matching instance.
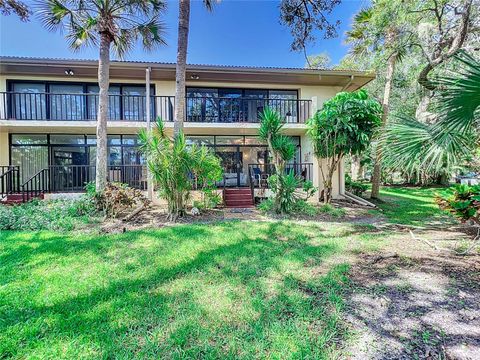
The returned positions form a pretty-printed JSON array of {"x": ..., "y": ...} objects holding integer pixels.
[
  {"x": 414, "y": 146},
  {"x": 183, "y": 28},
  {"x": 377, "y": 29},
  {"x": 106, "y": 24}
]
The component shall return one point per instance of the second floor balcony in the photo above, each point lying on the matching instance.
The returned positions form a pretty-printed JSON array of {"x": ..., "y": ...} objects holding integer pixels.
[{"x": 205, "y": 109}]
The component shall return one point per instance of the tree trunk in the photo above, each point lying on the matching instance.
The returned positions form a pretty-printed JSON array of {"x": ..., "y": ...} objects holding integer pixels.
[
  {"x": 421, "y": 113},
  {"x": 102, "y": 114},
  {"x": 377, "y": 168},
  {"x": 183, "y": 25},
  {"x": 356, "y": 168}
]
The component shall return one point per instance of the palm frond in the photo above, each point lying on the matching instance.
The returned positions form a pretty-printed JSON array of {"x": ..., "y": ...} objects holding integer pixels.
[
  {"x": 411, "y": 146},
  {"x": 459, "y": 96}
]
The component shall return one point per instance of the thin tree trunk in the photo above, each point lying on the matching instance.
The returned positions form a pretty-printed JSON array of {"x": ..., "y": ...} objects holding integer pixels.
[
  {"x": 356, "y": 168},
  {"x": 377, "y": 168},
  {"x": 183, "y": 25},
  {"x": 102, "y": 114}
]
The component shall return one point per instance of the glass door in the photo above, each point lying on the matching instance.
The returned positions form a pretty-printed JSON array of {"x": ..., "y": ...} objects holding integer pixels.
[
  {"x": 231, "y": 163},
  {"x": 70, "y": 170}
]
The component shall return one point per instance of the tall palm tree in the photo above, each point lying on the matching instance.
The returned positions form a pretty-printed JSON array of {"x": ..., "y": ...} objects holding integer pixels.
[
  {"x": 377, "y": 29},
  {"x": 183, "y": 28},
  {"x": 116, "y": 24}
]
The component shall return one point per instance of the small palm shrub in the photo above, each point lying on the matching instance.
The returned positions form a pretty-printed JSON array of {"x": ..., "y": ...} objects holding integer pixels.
[
  {"x": 463, "y": 202},
  {"x": 175, "y": 166},
  {"x": 282, "y": 150},
  {"x": 284, "y": 187}
]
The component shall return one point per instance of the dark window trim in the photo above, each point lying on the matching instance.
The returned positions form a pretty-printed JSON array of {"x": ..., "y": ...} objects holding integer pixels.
[
  {"x": 242, "y": 89},
  {"x": 85, "y": 84}
]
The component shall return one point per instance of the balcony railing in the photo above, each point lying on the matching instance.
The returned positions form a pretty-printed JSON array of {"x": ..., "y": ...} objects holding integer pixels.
[
  {"x": 259, "y": 173},
  {"x": 229, "y": 110},
  {"x": 73, "y": 178},
  {"x": 84, "y": 107}
]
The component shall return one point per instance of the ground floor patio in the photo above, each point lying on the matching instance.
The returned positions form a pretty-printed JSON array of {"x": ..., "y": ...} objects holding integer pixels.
[{"x": 60, "y": 161}]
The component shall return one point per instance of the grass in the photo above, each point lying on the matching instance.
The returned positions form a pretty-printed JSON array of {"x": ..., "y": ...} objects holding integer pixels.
[
  {"x": 227, "y": 290},
  {"x": 412, "y": 206},
  {"x": 230, "y": 290}
]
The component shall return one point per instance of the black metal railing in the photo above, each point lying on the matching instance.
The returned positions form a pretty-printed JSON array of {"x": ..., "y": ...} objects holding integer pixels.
[
  {"x": 231, "y": 110},
  {"x": 74, "y": 178},
  {"x": 81, "y": 107},
  {"x": 259, "y": 173},
  {"x": 9, "y": 180},
  {"x": 84, "y": 107},
  {"x": 37, "y": 185}
]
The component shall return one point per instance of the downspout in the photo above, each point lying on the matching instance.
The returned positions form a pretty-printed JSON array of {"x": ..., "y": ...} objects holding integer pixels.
[
  {"x": 148, "y": 70},
  {"x": 349, "y": 82}
]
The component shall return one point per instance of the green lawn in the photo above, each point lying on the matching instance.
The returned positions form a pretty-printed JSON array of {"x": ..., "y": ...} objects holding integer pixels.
[
  {"x": 224, "y": 290},
  {"x": 412, "y": 205}
]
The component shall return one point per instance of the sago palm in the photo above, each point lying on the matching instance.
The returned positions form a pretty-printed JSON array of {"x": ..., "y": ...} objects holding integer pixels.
[{"x": 116, "y": 24}]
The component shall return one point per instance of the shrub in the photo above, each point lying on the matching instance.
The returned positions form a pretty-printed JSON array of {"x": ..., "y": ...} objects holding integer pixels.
[
  {"x": 463, "y": 201},
  {"x": 309, "y": 189},
  {"x": 302, "y": 207},
  {"x": 355, "y": 187},
  {"x": 174, "y": 164},
  {"x": 116, "y": 198},
  {"x": 47, "y": 214},
  {"x": 284, "y": 187}
]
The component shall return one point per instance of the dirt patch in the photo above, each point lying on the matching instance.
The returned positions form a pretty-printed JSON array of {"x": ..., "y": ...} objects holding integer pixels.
[
  {"x": 417, "y": 303},
  {"x": 155, "y": 216}
]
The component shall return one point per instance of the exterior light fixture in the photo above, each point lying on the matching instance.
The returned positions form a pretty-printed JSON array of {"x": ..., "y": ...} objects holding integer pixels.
[
  {"x": 194, "y": 77},
  {"x": 69, "y": 72}
]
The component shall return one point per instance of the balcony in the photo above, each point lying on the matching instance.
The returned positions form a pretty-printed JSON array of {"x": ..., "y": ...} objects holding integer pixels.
[{"x": 83, "y": 107}]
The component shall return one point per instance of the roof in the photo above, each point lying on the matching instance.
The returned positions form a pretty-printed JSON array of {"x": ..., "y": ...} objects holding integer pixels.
[{"x": 352, "y": 79}]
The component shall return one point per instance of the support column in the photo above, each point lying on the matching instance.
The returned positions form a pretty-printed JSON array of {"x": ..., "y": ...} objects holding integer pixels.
[
  {"x": 4, "y": 149},
  {"x": 149, "y": 128}
]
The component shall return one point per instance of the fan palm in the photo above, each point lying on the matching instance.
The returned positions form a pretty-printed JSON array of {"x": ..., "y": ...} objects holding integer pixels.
[
  {"x": 116, "y": 24},
  {"x": 181, "y": 68},
  {"x": 459, "y": 97},
  {"x": 442, "y": 146}
]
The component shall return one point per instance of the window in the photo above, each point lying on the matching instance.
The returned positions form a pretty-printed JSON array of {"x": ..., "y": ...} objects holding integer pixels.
[
  {"x": 201, "y": 140},
  {"x": 29, "y": 139},
  {"x": 238, "y": 105},
  {"x": 284, "y": 102},
  {"x": 67, "y": 139},
  {"x": 67, "y": 102},
  {"x": 113, "y": 102},
  {"x": 28, "y": 101},
  {"x": 202, "y": 104}
]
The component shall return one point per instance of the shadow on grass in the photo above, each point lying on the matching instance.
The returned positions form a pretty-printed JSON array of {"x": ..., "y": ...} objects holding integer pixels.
[
  {"x": 222, "y": 290},
  {"x": 416, "y": 308}
]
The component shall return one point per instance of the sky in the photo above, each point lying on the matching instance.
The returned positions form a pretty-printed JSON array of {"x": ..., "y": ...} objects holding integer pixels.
[{"x": 237, "y": 32}]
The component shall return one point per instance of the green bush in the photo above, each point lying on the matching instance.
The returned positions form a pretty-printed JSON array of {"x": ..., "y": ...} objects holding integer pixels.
[
  {"x": 47, "y": 214},
  {"x": 463, "y": 201},
  {"x": 355, "y": 187},
  {"x": 302, "y": 207}
]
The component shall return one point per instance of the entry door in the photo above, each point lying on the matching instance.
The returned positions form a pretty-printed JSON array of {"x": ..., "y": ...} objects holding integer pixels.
[
  {"x": 232, "y": 164},
  {"x": 70, "y": 172}
]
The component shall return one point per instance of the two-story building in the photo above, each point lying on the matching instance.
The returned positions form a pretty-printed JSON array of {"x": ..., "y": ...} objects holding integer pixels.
[{"x": 48, "y": 110}]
